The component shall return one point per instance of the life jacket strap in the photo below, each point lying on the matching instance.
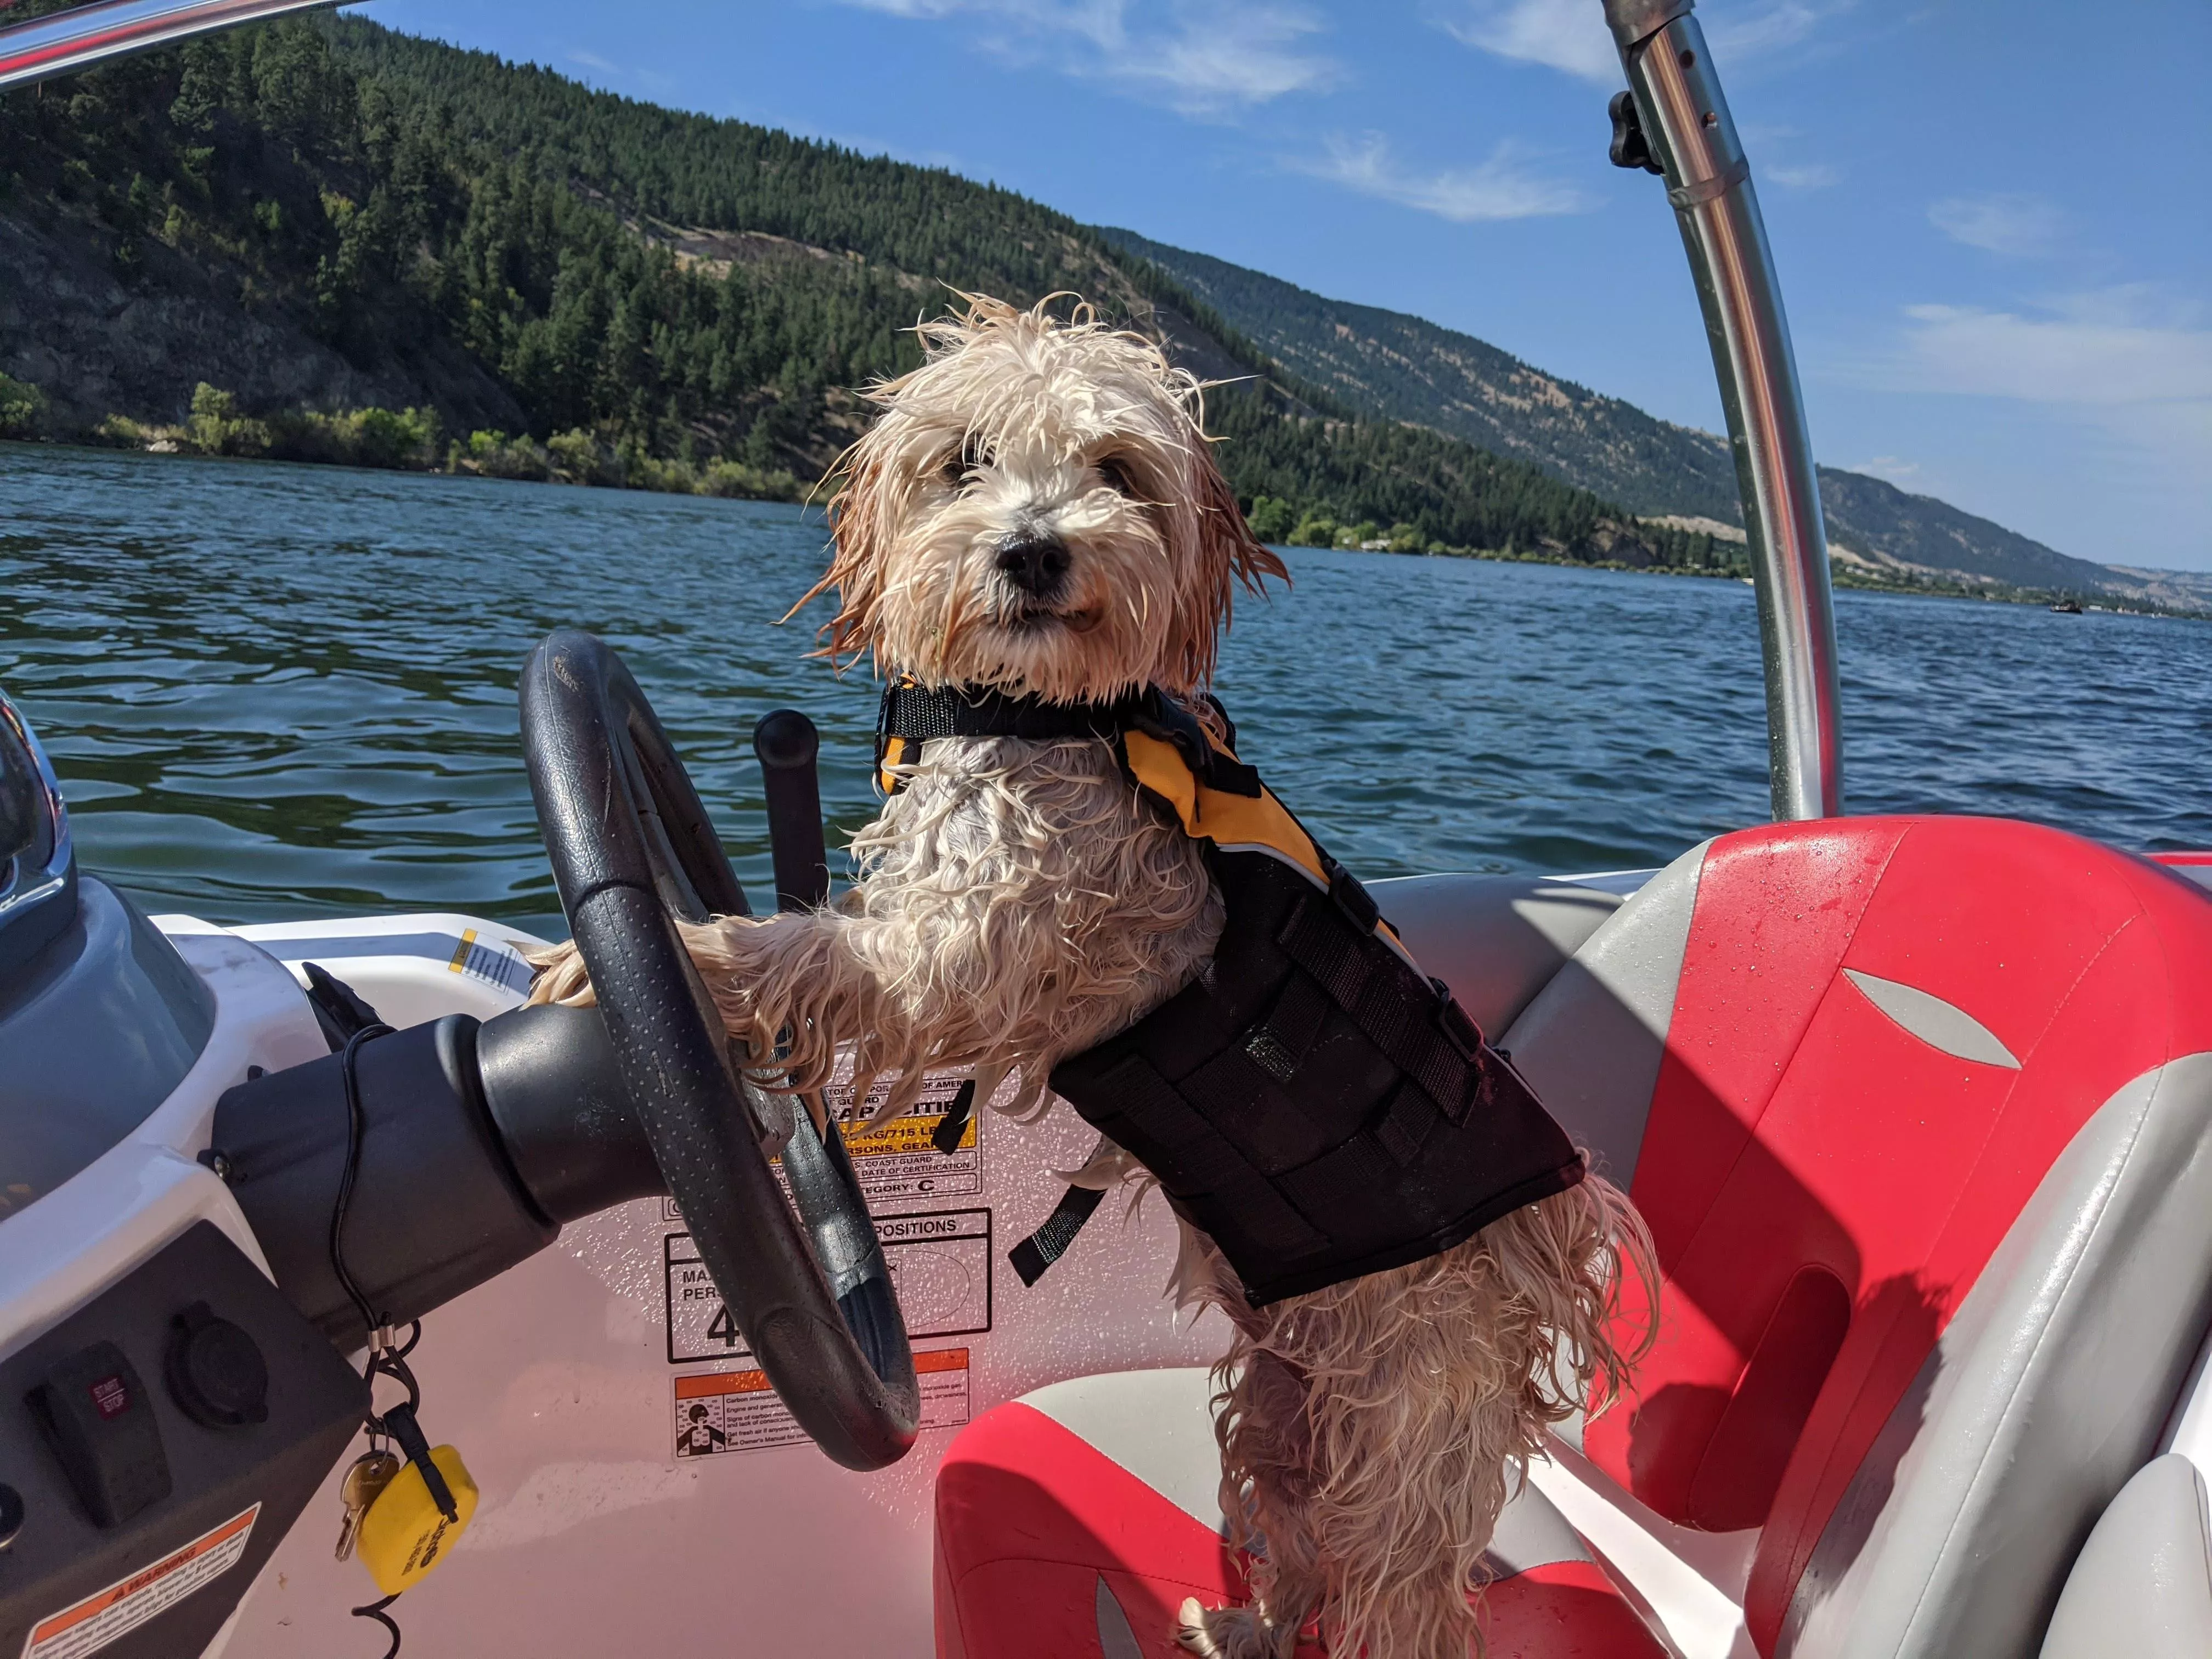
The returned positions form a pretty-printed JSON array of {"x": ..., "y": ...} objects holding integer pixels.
[
  {"x": 1050, "y": 1242},
  {"x": 911, "y": 716},
  {"x": 954, "y": 1124}
]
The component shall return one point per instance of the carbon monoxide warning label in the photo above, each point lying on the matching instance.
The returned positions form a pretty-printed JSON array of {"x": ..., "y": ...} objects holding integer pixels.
[
  {"x": 720, "y": 1412},
  {"x": 941, "y": 1267}
]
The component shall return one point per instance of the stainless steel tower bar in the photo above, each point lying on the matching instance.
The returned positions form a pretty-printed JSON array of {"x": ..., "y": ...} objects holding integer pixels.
[
  {"x": 86, "y": 35},
  {"x": 1685, "y": 121}
]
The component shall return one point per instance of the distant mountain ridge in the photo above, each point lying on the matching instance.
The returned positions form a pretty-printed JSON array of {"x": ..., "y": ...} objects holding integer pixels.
[
  {"x": 1407, "y": 368},
  {"x": 1403, "y": 367}
]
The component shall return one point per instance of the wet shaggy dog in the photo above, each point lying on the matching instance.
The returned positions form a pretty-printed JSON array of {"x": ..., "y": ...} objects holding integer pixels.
[{"x": 1036, "y": 511}]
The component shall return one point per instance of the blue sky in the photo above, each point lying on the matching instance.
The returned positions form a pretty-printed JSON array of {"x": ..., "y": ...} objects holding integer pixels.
[{"x": 1994, "y": 223}]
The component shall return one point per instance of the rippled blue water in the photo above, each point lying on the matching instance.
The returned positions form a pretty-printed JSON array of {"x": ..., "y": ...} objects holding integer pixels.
[{"x": 280, "y": 690}]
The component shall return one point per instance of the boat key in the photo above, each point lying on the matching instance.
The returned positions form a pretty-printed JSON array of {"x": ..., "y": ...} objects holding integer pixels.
[{"x": 364, "y": 1483}]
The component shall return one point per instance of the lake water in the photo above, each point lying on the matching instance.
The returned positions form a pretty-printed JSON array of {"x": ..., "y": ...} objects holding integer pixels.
[{"x": 279, "y": 691}]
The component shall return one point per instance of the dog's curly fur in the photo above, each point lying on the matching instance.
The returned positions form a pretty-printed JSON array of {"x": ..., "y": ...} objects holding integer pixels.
[{"x": 1017, "y": 901}]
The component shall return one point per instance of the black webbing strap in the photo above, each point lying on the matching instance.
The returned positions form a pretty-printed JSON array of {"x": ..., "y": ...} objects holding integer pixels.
[
  {"x": 946, "y": 1136},
  {"x": 1050, "y": 1242},
  {"x": 919, "y": 714},
  {"x": 1442, "y": 1050}
]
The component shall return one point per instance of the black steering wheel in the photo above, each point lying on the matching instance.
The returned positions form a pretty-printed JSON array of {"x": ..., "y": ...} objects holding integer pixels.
[{"x": 632, "y": 851}]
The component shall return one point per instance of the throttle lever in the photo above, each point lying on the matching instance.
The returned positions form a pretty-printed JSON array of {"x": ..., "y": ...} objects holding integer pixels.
[{"x": 787, "y": 746}]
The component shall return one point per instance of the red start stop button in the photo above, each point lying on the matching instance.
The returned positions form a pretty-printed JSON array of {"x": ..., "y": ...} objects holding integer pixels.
[{"x": 111, "y": 1397}]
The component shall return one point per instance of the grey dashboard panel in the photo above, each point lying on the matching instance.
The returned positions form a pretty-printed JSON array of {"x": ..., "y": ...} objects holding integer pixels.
[
  {"x": 98, "y": 1028},
  {"x": 158, "y": 1575},
  {"x": 2142, "y": 1584}
]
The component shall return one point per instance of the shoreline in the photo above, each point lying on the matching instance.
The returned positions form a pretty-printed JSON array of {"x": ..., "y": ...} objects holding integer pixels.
[
  {"x": 727, "y": 481},
  {"x": 1840, "y": 575}
]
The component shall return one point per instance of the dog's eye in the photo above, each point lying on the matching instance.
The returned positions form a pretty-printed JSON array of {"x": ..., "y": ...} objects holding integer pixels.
[
  {"x": 1115, "y": 473},
  {"x": 960, "y": 467}
]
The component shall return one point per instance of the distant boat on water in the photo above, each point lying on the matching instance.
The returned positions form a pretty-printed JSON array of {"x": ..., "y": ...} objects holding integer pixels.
[{"x": 2068, "y": 607}]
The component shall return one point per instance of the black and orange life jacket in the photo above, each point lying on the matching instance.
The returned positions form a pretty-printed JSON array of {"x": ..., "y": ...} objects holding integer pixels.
[{"x": 1312, "y": 1101}]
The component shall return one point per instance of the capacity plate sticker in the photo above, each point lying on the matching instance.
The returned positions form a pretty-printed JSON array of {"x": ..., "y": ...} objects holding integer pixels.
[
  {"x": 719, "y": 1412},
  {"x": 901, "y": 1159},
  {"x": 941, "y": 1266},
  {"x": 115, "y": 1611}
]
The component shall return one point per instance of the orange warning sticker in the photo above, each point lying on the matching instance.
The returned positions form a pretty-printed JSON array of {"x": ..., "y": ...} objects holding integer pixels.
[
  {"x": 736, "y": 1411},
  {"x": 127, "y": 1603}
]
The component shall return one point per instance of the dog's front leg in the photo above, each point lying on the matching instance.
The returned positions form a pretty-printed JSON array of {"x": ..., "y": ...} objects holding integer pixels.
[
  {"x": 797, "y": 985},
  {"x": 793, "y": 986}
]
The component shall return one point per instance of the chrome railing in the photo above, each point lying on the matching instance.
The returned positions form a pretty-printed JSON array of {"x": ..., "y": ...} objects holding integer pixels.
[
  {"x": 78, "y": 39},
  {"x": 1685, "y": 121}
]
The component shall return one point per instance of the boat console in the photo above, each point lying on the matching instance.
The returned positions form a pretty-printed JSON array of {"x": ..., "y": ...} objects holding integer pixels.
[
  {"x": 77, "y": 961},
  {"x": 168, "y": 1431}
]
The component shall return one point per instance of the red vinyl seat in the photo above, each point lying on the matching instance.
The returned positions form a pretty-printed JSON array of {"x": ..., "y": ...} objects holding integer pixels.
[
  {"x": 1918, "y": 1119},
  {"x": 1919, "y": 1111},
  {"x": 1048, "y": 1543}
]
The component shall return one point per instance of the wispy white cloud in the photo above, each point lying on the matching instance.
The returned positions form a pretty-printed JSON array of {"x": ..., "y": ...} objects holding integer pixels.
[
  {"x": 1894, "y": 468},
  {"x": 651, "y": 80},
  {"x": 1776, "y": 153},
  {"x": 1501, "y": 187},
  {"x": 1200, "y": 59},
  {"x": 2106, "y": 348},
  {"x": 1570, "y": 35},
  {"x": 1804, "y": 175},
  {"x": 2121, "y": 377},
  {"x": 2015, "y": 223},
  {"x": 1755, "y": 27},
  {"x": 1560, "y": 34}
]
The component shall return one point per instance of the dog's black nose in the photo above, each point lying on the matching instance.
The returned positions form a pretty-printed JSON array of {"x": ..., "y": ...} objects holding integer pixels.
[{"x": 1036, "y": 563}]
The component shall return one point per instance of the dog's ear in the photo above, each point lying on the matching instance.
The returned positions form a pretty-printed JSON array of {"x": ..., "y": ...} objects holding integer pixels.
[
  {"x": 861, "y": 516},
  {"x": 1228, "y": 553}
]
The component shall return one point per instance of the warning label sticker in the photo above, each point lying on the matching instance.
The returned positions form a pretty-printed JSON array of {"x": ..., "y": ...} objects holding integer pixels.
[
  {"x": 941, "y": 1267},
  {"x": 719, "y": 1412},
  {"x": 913, "y": 1157},
  {"x": 125, "y": 1605}
]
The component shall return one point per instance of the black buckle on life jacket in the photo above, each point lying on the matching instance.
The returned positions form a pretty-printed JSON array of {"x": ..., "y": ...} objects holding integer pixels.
[
  {"x": 1459, "y": 1029},
  {"x": 1355, "y": 901},
  {"x": 1156, "y": 716}
]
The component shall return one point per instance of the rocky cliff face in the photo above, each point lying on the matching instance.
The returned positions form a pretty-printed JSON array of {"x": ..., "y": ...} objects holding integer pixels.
[{"x": 134, "y": 340}]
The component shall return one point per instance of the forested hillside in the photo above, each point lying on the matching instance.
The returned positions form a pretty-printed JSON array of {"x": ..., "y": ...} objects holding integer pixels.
[
  {"x": 1386, "y": 363},
  {"x": 326, "y": 241}
]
